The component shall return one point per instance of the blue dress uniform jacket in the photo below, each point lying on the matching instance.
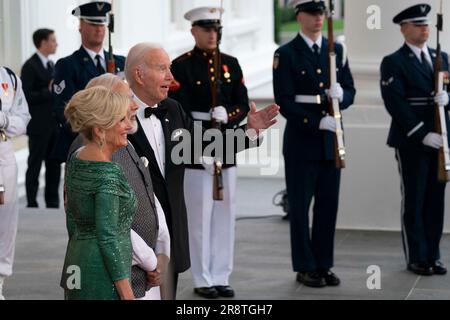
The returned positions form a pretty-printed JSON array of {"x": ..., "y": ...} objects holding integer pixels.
[
  {"x": 72, "y": 74},
  {"x": 408, "y": 92},
  {"x": 309, "y": 151},
  {"x": 295, "y": 73},
  {"x": 194, "y": 74}
]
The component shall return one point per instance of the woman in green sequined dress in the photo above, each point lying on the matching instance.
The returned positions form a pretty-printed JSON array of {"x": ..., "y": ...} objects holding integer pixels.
[{"x": 100, "y": 203}]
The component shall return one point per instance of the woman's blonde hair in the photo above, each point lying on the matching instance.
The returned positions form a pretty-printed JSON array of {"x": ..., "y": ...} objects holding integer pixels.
[{"x": 96, "y": 107}]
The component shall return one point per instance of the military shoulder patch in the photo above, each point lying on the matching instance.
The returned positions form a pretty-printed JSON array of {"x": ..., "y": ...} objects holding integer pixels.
[
  {"x": 59, "y": 88},
  {"x": 276, "y": 61},
  {"x": 388, "y": 82}
]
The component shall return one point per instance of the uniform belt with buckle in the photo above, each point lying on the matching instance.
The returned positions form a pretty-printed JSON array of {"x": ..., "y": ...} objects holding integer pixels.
[
  {"x": 421, "y": 101},
  {"x": 204, "y": 116},
  {"x": 316, "y": 99}
]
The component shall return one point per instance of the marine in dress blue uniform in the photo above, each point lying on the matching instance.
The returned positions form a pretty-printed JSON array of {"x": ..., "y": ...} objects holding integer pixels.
[
  {"x": 407, "y": 86},
  {"x": 73, "y": 73},
  {"x": 300, "y": 73}
]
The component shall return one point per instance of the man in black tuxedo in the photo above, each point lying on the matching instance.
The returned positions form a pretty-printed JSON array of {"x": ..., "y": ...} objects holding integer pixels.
[
  {"x": 37, "y": 79},
  {"x": 160, "y": 120}
]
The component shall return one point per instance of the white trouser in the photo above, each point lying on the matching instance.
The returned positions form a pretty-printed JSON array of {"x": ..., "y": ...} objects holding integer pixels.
[
  {"x": 9, "y": 212},
  {"x": 211, "y": 227}
]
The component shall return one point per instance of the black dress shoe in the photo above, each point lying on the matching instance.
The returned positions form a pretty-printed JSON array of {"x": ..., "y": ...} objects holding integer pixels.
[
  {"x": 331, "y": 279},
  {"x": 438, "y": 268},
  {"x": 311, "y": 279},
  {"x": 33, "y": 205},
  {"x": 53, "y": 206},
  {"x": 225, "y": 291},
  {"x": 208, "y": 293},
  {"x": 420, "y": 268}
]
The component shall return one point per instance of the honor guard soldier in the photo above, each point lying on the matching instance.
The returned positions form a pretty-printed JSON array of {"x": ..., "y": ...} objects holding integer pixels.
[
  {"x": 14, "y": 118},
  {"x": 407, "y": 86},
  {"x": 72, "y": 73},
  {"x": 211, "y": 223},
  {"x": 302, "y": 90}
]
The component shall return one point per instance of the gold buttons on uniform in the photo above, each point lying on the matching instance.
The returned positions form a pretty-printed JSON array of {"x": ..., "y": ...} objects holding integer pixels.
[
  {"x": 305, "y": 120},
  {"x": 211, "y": 62},
  {"x": 319, "y": 71},
  {"x": 324, "y": 113},
  {"x": 238, "y": 110},
  {"x": 211, "y": 70},
  {"x": 213, "y": 78},
  {"x": 303, "y": 72},
  {"x": 199, "y": 83},
  {"x": 321, "y": 84}
]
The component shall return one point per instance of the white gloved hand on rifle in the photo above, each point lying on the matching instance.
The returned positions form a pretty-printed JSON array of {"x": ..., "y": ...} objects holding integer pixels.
[
  {"x": 441, "y": 98},
  {"x": 328, "y": 123},
  {"x": 220, "y": 114},
  {"x": 336, "y": 92},
  {"x": 433, "y": 140},
  {"x": 208, "y": 164}
]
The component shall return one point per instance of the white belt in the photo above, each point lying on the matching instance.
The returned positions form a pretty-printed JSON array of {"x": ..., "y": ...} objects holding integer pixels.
[
  {"x": 204, "y": 116},
  {"x": 317, "y": 99}
]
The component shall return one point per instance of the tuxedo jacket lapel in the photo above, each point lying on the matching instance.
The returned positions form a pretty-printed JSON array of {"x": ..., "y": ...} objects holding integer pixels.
[{"x": 140, "y": 140}]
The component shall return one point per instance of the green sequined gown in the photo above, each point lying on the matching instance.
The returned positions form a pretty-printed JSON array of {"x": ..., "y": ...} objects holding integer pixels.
[{"x": 100, "y": 209}]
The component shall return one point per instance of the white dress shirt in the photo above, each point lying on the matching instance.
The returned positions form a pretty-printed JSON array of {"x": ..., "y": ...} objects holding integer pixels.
[
  {"x": 310, "y": 43},
  {"x": 93, "y": 54},
  {"x": 43, "y": 59},
  {"x": 154, "y": 132}
]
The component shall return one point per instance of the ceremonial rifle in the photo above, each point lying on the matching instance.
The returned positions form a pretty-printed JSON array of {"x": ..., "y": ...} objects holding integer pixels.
[
  {"x": 216, "y": 92},
  {"x": 334, "y": 110},
  {"x": 440, "y": 82}
]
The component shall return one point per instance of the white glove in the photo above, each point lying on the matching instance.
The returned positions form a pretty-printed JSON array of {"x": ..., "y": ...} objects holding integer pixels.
[
  {"x": 2, "y": 119},
  {"x": 433, "y": 140},
  {"x": 208, "y": 164},
  {"x": 336, "y": 92},
  {"x": 328, "y": 123},
  {"x": 220, "y": 114},
  {"x": 441, "y": 98}
]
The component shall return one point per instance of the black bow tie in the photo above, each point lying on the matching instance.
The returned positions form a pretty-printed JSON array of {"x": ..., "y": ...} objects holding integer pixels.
[{"x": 159, "y": 112}]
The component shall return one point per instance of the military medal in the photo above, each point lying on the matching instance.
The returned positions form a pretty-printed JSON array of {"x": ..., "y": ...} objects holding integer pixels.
[
  {"x": 227, "y": 74},
  {"x": 5, "y": 87},
  {"x": 3, "y": 136}
]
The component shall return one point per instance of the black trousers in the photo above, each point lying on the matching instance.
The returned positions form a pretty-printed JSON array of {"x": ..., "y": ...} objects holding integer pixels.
[
  {"x": 422, "y": 209},
  {"x": 41, "y": 147},
  {"x": 306, "y": 180}
]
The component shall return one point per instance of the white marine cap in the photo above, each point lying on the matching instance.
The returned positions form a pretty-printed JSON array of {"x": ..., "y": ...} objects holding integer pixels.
[{"x": 205, "y": 16}]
